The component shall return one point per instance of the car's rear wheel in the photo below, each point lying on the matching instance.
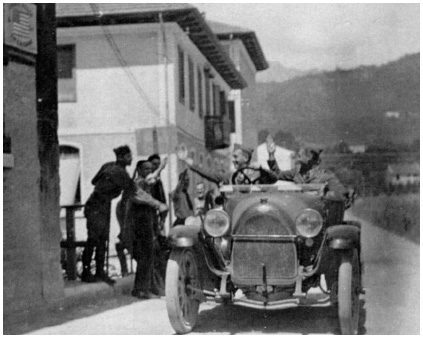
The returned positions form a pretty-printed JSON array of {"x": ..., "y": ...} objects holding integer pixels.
[
  {"x": 348, "y": 292},
  {"x": 182, "y": 306}
]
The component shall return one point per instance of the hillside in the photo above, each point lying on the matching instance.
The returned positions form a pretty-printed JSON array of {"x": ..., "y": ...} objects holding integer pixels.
[
  {"x": 278, "y": 73},
  {"x": 349, "y": 105}
]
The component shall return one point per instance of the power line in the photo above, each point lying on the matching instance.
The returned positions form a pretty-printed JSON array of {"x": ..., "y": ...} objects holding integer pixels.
[
  {"x": 128, "y": 71},
  {"x": 123, "y": 62}
]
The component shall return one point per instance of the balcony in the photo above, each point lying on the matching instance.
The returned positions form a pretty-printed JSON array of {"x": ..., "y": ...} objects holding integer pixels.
[{"x": 217, "y": 132}]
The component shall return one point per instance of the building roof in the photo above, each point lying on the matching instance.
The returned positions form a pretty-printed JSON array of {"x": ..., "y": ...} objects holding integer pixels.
[
  {"x": 186, "y": 16},
  {"x": 248, "y": 38},
  {"x": 85, "y": 9},
  {"x": 405, "y": 168}
]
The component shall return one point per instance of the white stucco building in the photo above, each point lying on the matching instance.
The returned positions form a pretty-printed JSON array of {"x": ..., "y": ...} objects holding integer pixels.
[
  {"x": 152, "y": 76},
  {"x": 403, "y": 174}
]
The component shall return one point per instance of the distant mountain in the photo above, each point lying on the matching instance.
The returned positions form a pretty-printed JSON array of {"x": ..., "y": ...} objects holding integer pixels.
[
  {"x": 366, "y": 105},
  {"x": 278, "y": 73}
]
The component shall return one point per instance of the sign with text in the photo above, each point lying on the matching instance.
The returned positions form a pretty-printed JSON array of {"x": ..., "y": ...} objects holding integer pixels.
[{"x": 20, "y": 26}]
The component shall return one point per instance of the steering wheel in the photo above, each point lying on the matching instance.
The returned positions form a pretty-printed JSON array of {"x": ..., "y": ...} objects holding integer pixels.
[{"x": 245, "y": 179}]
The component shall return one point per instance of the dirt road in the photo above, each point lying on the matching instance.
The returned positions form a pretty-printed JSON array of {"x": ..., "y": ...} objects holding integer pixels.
[{"x": 391, "y": 305}]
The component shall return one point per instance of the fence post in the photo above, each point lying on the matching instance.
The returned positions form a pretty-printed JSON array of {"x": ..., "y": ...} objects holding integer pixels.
[{"x": 70, "y": 239}]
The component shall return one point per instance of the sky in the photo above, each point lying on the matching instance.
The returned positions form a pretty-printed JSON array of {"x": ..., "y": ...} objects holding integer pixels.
[{"x": 325, "y": 36}]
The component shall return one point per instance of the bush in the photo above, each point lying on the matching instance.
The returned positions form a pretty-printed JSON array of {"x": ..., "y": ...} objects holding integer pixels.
[{"x": 397, "y": 213}]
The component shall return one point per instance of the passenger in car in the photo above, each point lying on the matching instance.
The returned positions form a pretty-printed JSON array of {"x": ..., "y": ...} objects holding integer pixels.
[
  {"x": 245, "y": 171},
  {"x": 307, "y": 170}
]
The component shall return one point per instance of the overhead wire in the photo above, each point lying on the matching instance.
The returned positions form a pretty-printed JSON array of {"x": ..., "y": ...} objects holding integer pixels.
[
  {"x": 122, "y": 61},
  {"x": 96, "y": 11}
]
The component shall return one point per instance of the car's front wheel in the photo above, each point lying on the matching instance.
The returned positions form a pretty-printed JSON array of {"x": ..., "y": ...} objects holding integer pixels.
[
  {"x": 181, "y": 274},
  {"x": 348, "y": 292}
]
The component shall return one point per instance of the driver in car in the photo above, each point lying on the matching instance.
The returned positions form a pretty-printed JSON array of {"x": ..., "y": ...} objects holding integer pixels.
[
  {"x": 245, "y": 171},
  {"x": 307, "y": 170}
]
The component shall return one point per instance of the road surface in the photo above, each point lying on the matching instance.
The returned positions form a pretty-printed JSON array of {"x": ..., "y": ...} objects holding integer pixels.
[{"x": 390, "y": 306}]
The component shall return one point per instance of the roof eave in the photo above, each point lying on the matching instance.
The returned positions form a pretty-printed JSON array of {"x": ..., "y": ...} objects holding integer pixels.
[
  {"x": 252, "y": 45},
  {"x": 198, "y": 31}
]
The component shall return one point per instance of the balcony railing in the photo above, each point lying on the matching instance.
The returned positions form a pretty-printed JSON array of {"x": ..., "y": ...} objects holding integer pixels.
[{"x": 217, "y": 132}]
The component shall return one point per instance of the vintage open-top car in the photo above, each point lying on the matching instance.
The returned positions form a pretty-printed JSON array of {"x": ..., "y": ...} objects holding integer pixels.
[{"x": 266, "y": 246}]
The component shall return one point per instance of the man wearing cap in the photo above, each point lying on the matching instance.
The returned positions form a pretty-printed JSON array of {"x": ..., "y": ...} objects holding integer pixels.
[
  {"x": 245, "y": 171},
  {"x": 109, "y": 183},
  {"x": 307, "y": 170}
]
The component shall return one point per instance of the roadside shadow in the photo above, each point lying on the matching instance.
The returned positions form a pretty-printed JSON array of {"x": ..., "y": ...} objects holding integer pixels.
[
  {"x": 55, "y": 317},
  {"x": 232, "y": 319}
]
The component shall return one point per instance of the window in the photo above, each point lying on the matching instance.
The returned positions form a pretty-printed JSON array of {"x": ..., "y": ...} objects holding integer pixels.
[
  {"x": 208, "y": 102},
  {"x": 200, "y": 92},
  {"x": 191, "y": 78},
  {"x": 216, "y": 100},
  {"x": 223, "y": 103},
  {"x": 231, "y": 111},
  {"x": 66, "y": 73},
  {"x": 181, "y": 68}
]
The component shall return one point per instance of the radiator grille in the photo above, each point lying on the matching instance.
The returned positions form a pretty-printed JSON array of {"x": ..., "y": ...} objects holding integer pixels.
[
  {"x": 263, "y": 225},
  {"x": 279, "y": 257}
]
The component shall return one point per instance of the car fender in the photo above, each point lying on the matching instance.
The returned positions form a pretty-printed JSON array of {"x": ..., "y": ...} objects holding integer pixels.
[
  {"x": 183, "y": 236},
  {"x": 343, "y": 236}
]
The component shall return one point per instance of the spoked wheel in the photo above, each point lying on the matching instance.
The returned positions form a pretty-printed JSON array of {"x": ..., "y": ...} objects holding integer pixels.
[
  {"x": 182, "y": 307},
  {"x": 348, "y": 292}
]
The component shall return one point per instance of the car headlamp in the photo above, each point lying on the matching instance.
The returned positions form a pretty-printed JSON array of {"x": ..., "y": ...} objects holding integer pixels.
[
  {"x": 216, "y": 223},
  {"x": 309, "y": 223}
]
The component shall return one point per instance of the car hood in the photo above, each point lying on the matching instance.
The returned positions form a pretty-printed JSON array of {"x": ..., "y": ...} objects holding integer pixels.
[{"x": 271, "y": 209}]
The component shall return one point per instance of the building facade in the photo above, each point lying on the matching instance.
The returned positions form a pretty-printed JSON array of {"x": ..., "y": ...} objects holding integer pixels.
[
  {"x": 152, "y": 76},
  {"x": 406, "y": 174},
  {"x": 243, "y": 47}
]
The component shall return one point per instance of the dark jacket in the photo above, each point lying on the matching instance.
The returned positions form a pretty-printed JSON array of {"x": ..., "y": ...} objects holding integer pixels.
[
  {"x": 109, "y": 182},
  {"x": 182, "y": 204},
  {"x": 139, "y": 215},
  {"x": 157, "y": 191}
]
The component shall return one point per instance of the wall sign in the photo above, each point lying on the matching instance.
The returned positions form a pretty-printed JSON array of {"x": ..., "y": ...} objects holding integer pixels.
[{"x": 20, "y": 26}]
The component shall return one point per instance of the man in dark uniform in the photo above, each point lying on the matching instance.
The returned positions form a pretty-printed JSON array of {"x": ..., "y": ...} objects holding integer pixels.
[
  {"x": 141, "y": 218},
  {"x": 162, "y": 249},
  {"x": 157, "y": 191},
  {"x": 109, "y": 182},
  {"x": 245, "y": 171}
]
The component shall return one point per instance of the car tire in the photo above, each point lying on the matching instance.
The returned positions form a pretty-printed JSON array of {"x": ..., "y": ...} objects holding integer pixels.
[
  {"x": 182, "y": 307},
  {"x": 348, "y": 292}
]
